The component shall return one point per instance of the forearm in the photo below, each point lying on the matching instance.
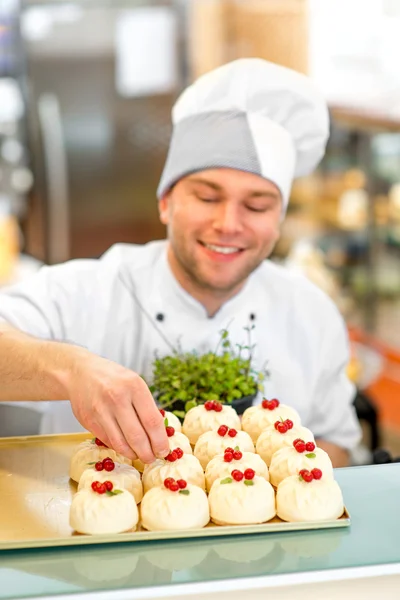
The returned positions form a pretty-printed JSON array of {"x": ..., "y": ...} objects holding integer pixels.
[
  {"x": 33, "y": 369},
  {"x": 340, "y": 457}
]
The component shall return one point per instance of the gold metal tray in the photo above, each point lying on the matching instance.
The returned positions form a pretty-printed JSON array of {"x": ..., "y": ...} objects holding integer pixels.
[{"x": 36, "y": 494}]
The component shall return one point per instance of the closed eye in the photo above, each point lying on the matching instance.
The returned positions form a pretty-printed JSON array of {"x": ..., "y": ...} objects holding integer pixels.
[
  {"x": 202, "y": 199},
  {"x": 259, "y": 209}
]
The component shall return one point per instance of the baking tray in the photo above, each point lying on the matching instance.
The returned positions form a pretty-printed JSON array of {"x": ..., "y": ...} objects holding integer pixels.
[{"x": 36, "y": 494}]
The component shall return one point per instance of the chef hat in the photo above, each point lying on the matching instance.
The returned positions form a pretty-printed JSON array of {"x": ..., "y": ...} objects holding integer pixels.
[{"x": 250, "y": 115}]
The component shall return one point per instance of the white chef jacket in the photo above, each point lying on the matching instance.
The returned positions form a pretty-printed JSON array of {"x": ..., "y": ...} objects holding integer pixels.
[{"x": 127, "y": 307}]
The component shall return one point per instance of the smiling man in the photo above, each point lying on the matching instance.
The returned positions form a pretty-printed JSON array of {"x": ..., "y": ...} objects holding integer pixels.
[{"x": 81, "y": 332}]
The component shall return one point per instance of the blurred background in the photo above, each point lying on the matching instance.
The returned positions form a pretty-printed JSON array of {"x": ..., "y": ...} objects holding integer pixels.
[{"x": 86, "y": 90}]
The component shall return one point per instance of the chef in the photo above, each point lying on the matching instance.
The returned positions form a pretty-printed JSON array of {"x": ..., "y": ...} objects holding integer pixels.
[{"x": 80, "y": 335}]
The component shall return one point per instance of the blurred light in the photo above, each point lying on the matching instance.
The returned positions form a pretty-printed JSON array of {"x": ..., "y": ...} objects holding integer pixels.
[
  {"x": 36, "y": 24},
  {"x": 12, "y": 151},
  {"x": 11, "y": 105},
  {"x": 9, "y": 7},
  {"x": 21, "y": 180}
]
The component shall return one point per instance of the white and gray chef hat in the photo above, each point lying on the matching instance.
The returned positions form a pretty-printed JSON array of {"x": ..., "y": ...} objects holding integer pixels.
[{"x": 250, "y": 115}]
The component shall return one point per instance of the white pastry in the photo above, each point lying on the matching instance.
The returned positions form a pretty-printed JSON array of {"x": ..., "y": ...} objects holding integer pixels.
[
  {"x": 94, "y": 514},
  {"x": 212, "y": 443},
  {"x": 256, "y": 418},
  {"x": 318, "y": 500},
  {"x": 122, "y": 477},
  {"x": 218, "y": 467},
  {"x": 89, "y": 452},
  {"x": 287, "y": 461},
  {"x": 187, "y": 467},
  {"x": 163, "y": 509},
  {"x": 178, "y": 440},
  {"x": 203, "y": 418},
  {"x": 272, "y": 440},
  {"x": 236, "y": 503},
  {"x": 172, "y": 419}
]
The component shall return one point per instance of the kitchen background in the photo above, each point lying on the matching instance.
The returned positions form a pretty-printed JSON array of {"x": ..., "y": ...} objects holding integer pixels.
[{"x": 86, "y": 90}]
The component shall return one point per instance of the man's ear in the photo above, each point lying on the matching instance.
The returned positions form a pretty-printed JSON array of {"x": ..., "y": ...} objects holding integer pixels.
[{"x": 163, "y": 209}]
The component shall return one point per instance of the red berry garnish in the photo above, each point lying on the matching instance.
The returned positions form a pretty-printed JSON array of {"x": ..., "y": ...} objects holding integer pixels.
[
  {"x": 316, "y": 473},
  {"x": 275, "y": 402},
  {"x": 289, "y": 423},
  {"x": 108, "y": 464},
  {"x": 94, "y": 485},
  {"x": 303, "y": 471},
  {"x": 173, "y": 456},
  {"x": 170, "y": 431},
  {"x": 168, "y": 481},
  {"x": 162, "y": 411},
  {"x": 217, "y": 407},
  {"x": 232, "y": 433},
  {"x": 100, "y": 443},
  {"x": 99, "y": 466},
  {"x": 249, "y": 474},
  {"x": 229, "y": 450},
  {"x": 174, "y": 486},
  {"x": 209, "y": 405},
  {"x": 237, "y": 475},
  {"x": 296, "y": 441},
  {"x": 307, "y": 476},
  {"x": 101, "y": 488},
  {"x": 181, "y": 483},
  {"x": 179, "y": 452},
  {"x": 222, "y": 430},
  {"x": 310, "y": 446},
  {"x": 276, "y": 424},
  {"x": 109, "y": 485},
  {"x": 269, "y": 404},
  {"x": 228, "y": 456},
  {"x": 237, "y": 455},
  {"x": 282, "y": 427},
  {"x": 300, "y": 447}
]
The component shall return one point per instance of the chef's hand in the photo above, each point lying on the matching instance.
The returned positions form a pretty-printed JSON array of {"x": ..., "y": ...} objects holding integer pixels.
[{"x": 116, "y": 405}]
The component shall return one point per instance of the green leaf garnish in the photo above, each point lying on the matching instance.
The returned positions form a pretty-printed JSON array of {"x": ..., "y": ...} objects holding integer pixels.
[
  {"x": 190, "y": 404},
  {"x": 226, "y": 480},
  {"x": 166, "y": 422},
  {"x": 236, "y": 449},
  {"x": 248, "y": 482},
  {"x": 92, "y": 463},
  {"x": 184, "y": 492},
  {"x": 179, "y": 413},
  {"x": 311, "y": 455},
  {"x": 113, "y": 492}
]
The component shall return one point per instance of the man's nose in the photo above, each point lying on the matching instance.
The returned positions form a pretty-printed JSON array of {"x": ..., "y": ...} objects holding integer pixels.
[{"x": 228, "y": 219}]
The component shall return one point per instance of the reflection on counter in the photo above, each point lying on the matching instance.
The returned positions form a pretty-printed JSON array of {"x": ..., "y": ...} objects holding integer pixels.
[{"x": 158, "y": 563}]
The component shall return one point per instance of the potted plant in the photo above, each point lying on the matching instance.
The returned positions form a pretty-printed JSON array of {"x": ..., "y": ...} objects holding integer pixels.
[{"x": 184, "y": 380}]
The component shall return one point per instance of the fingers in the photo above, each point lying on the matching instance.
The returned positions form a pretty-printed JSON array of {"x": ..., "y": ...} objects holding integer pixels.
[
  {"x": 134, "y": 433},
  {"x": 116, "y": 438},
  {"x": 150, "y": 418}
]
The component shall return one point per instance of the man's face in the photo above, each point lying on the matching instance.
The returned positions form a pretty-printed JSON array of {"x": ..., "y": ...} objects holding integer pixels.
[{"x": 222, "y": 223}]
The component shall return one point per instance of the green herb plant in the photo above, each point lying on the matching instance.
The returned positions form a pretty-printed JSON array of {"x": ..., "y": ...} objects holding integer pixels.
[{"x": 184, "y": 380}]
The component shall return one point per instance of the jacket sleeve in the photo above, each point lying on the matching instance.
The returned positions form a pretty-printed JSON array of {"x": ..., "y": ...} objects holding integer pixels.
[
  {"x": 50, "y": 304},
  {"x": 333, "y": 416}
]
